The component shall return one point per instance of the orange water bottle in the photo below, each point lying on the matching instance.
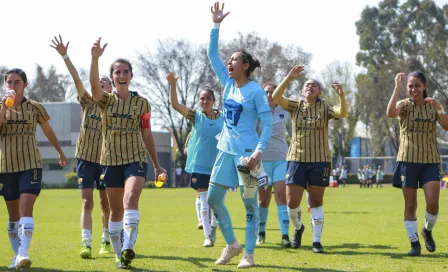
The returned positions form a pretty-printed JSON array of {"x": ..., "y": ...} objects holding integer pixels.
[
  {"x": 160, "y": 180},
  {"x": 10, "y": 100}
]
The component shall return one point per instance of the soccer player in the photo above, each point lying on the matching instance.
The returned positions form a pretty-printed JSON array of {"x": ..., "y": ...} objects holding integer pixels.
[
  {"x": 127, "y": 140},
  {"x": 379, "y": 177},
  {"x": 274, "y": 164},
  {"x": 244, "y": 102},
  {"x": 21, "y": 163},
  {"x": 418, "y": 158},
  {"x": 88, "y": 152},
  {"x": 343, "y": 176},
  {"x": 309, "y": 155},
  {"x": 202, "y": 151}
]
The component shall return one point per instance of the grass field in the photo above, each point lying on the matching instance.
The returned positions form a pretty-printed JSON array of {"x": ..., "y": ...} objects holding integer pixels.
[{"x": 363, "y": 231}]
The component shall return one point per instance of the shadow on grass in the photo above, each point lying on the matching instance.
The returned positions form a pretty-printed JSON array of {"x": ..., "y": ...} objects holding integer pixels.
[
  {"x": 358, "y": 245},
  {"x": 244, "y": 228},
  {"x": 39, "y": 269},
  {"x": 193, "y": 260},
  {"x": 286, "y": 268},
  {"x": 349, "y": 212}
]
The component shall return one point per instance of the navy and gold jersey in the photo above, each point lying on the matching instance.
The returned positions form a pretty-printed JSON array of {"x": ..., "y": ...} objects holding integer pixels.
[
  {"x": 89, "y": 143},
  {"x": 18, "y": 144},
  {"x": 418, "y": 133},
  {"x": 121, "y": 129},
  {"x": 309, "y": 140}
]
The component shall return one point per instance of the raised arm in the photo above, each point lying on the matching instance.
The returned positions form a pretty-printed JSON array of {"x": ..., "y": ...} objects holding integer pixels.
[
  {"x": 182, "y": 109},
  {"x": 392, "y": 110},
  {"x": 97, "y": 51},
  {"x": 213, "y": 53},
  {"x": 62, "y": 50},
  {"x": 295, "y": 73},
  {"x": 342, "y": 110}
]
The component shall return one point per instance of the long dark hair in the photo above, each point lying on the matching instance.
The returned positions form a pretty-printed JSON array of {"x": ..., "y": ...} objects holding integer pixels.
[
  {"x": 18, "y": 71},
  {"x": 253, "y": 63}
]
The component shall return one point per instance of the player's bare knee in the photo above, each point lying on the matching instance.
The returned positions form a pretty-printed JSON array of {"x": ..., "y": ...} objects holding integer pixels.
[
  {"x": 87, "y": 205},
  {"x": 263, "y": 203}
]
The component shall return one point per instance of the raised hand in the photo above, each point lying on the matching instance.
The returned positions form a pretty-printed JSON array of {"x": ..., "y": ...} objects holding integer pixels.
[
  {"x": 296, "y": 72},
  {"x": 172, "y": 78},
  {"x": 218, "y": 14},
  {"x": 434, "y": 102},
  {"x": 399, "y": 79},
  {"x": 337, "y": 87},
  {"x": 59, "y": 45},
  {"x": 97, "y": 50}
]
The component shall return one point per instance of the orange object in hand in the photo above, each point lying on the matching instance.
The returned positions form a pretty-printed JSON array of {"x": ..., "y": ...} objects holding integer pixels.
[
  {"x": 160, "y": 180},
  {"x": 10, "y": 101}
]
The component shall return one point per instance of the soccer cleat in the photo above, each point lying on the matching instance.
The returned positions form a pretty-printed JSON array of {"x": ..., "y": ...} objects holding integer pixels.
[
  {"x": 127, "y": 256},
  {"x": 228, "y": 253},
  {"x": 247, "y": 261},
  {"x": 429, "y": 240},
  {"x": 208, "y": 242},
  {"x": 118, "y": 263},
  {"x": 13, "y": 263},
  {"x": 317, "y": 247},
  {"x": 86, "y": 252},
  {"x": 106, "y": 248},
  {"x": 200, "y": 225},
  {"x": 286, "y": 243},
  {"x": 23, "y": 261},
  {"x": 261, "y": 238},
  {"x": 297, "y": 238},
  {"x": 416, "y": 249},
  {"x": 213, "y": 235}
]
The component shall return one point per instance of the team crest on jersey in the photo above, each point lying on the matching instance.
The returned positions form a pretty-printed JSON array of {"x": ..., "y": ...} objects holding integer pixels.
[
  {"x": 29, "y": 113},
  {"x": 432, "y": 114},
  {"x": 79, "y": 180},
  {"x": 194, "y": 180},
  {"x": 282, "y": 116},
  {"x": 134, "y": 109}
]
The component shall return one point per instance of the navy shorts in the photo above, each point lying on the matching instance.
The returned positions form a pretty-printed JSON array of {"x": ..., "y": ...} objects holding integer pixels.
[
  {"x": 308, "y": 173},
  {"x": 115, "y": 176},
  {"x": 12, "y": 185},
  {"x": 89, "y": 174},
  {"x": 415, "y": 175},
  {"x": 199, "y": 181}
]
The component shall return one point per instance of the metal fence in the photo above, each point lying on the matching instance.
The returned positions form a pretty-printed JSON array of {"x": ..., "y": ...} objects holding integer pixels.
[{"x": 387, "y": 163}]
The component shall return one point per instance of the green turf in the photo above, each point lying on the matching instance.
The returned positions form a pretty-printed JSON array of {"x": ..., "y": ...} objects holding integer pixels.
[{"x": 363, "y": 231}]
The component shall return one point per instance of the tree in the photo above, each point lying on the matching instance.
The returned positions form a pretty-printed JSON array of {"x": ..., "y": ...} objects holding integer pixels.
[
  {"x": 3, "y": 71},
  {"x": 190, "y": 63},
  {"x": 393, "y": 38},
  {"x": 49, "y": 87},
  {"x": 342, "y": 130},
  {"x": 276, "y": 60}
]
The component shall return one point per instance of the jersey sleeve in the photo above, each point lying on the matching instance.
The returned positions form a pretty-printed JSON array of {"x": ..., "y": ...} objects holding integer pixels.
[
  {"x": 105, "y": 100},
  {"x": 191, "y": 116},
  {"x": 215, "y": 60},
  {"x": 330, "y": 110},
  {"x": 42, "y": 115},
  {"x": 85, "y": 99},
  {"x": 402, "y": 105},
  {"x": 146, "y": 114},
  {"x": 293, "y": 104},
  {"x": 261, "y": 102}
]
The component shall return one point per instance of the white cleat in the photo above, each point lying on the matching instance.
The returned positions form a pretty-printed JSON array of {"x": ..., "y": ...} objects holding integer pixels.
[
  {"x": 208, "y": 242},
  {"x": 247, "y": 261},
  {"x": 228, "y": 253},
  {"x": 23, "y": 261},
  {"x": 13, "y": 263}
]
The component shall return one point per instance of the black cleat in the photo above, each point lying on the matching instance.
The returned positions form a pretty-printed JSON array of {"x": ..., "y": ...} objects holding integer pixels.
[
  {"x": 429, "y": 240},
  {"x": 127, "y": 256},
  {"x": 317, "y": 247},
  {"x": 297, "y": 238},
  {"x": 416, "y": 249},
  {"x": 286, "y": 243}
]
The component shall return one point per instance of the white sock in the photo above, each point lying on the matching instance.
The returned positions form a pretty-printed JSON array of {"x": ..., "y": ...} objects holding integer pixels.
[
  {"x": 213, "y": 222},
  {"x": 86, "y": 235},
  {"x": 430, "y": 220},
  {"x": 26, "y": 230},
  {"x": 308, "y": 198},
  {"x": 412, "y": 229},
  {"x": 317, "y": 222},
  {"x": 13, "y": 233},
  {"x": 116, "y": 236},
  {"x": 130, "y": 220},
  {"x": 105, "y": 238},
  {"x": 205, "y": 214},
  {"x": 198, "y": 209},
  {"x": 295, "y": 215}
]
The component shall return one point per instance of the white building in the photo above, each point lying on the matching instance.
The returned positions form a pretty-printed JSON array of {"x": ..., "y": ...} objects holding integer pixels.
[{"x": 66, "y": 122}]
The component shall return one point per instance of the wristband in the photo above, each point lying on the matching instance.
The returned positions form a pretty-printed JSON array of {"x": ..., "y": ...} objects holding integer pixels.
[
  {"x": 65, "y": 57},
  {"x": 441, "y": 111}
]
